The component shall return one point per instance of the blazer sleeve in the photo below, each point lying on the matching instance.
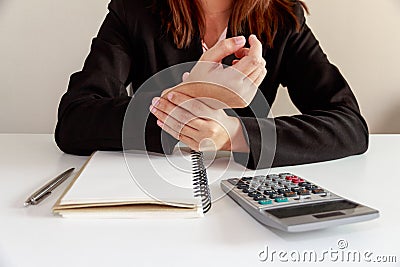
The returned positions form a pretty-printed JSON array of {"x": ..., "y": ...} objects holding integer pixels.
[
  {"x": 92, "y": 111},
  {"x": 330, "y": 125}
]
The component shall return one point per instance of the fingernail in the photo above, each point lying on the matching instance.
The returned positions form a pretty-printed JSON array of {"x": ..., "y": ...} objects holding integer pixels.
[
  {"x": 159, "y": 123},
  {"x": 153, "y": 109},
  {"x": 185, "y": 76},
  {"x": 239, "y": 40},
  {"x": 155, "y": 101},
  {"x": 170, "y": 96}
]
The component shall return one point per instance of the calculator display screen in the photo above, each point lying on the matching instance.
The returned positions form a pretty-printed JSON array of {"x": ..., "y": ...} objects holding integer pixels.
[{"x": 311, "y": 209}]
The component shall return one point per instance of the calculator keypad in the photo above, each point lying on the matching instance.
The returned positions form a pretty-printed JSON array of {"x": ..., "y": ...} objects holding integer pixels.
[{"x": 278, "y": 189}]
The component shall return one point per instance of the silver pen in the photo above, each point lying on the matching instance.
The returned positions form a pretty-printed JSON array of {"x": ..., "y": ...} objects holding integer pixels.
[{"x": 45, "y": 190}]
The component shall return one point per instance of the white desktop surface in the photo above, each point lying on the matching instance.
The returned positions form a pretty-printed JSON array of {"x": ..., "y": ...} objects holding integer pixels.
[{"x": 226, "y": 236}]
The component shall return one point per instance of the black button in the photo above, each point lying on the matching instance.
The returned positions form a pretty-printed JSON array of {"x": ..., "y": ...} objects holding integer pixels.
[
  {"x": 311, "y": 187},
  {"x": 275, "y": 196},
  {"x": 247, "y": 178},
  {"x": 246, "y": 190},
  {"x": 283, "y": 190},
  {"x": 269, "y": 192},
  {"x": 260, "y": 197},
  {"x": 242, "y": 186},
  {"x": 254, "y": 193}
]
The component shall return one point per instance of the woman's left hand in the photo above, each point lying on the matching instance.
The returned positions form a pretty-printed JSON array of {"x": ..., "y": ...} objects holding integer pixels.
[{"x": 198, "y": 125}]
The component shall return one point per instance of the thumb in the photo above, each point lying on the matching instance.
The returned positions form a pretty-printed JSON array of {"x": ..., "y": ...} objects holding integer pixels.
[{"x": 223, "y": 49}]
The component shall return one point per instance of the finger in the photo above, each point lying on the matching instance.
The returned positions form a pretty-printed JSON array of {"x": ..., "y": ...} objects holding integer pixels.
[
  {"x": 255, "y": 46},
  {"x": 261, "y": 77},
  {"x": 223, "y": 49},
  {"x": 255, "y": 74},
  {"x": 177, "y": 126},
  {"x": 195, "y": 106},
  {"x": 253, "y": 59},
  {"x": 180, "y": 127},
  {"x": 193, "y": 144},
  {"x": 242, "y": 52},
  {"x": 249, "y": 64},
  {"x": 166, "y": 91},
  {"x": 176, "y": 117}
]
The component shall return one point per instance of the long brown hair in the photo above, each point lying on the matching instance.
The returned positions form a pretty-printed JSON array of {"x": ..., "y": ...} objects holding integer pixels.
[{"x": 263, "y": 18}]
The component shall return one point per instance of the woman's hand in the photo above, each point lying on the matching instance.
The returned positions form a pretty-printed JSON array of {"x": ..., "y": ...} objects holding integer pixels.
[
  {"x": 249, "y": 65},
  {"x": 198, "y": 125},
  {"x": 191, "y": 119},
  {"x": 236, "y": 85}
]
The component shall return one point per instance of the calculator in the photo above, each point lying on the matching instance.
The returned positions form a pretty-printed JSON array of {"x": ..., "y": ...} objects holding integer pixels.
[{"x": 293, "y": 204}]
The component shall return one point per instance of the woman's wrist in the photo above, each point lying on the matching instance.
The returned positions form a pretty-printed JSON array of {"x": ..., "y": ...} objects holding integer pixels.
[{"x": 237, "y": 141}]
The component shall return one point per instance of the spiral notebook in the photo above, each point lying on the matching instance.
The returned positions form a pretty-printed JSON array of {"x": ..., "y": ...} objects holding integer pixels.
[{"x": 138, "y": 185}]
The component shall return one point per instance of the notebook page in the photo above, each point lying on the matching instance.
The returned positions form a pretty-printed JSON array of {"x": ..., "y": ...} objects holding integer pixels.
[{"x": 109, "y": 177}]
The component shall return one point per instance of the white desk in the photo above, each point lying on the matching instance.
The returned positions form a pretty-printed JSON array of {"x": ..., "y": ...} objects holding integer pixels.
[{"x": 227, "y": 236}]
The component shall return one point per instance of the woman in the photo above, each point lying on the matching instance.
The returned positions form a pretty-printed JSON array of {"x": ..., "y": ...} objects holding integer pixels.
[{"x": 140, "y": 38}]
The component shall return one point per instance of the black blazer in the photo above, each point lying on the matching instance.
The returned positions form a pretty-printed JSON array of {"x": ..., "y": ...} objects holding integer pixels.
[{"x": 131, "y": 46}]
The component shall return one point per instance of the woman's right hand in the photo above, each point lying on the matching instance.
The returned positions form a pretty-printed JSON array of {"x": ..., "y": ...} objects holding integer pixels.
[
  {"x": 232, "y": 87},
  {"x": 250, "y": 62}
]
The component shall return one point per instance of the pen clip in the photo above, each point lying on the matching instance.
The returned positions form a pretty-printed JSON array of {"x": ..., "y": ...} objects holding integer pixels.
[{"x": 40, "y": 199}]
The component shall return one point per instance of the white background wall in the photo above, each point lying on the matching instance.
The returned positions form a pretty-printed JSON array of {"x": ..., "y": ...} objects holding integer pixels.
[{"x": 43, "y": 42}]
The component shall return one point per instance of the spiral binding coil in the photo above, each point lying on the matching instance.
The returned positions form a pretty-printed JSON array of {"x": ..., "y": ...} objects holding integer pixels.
[{"x": 200, "y": 180}]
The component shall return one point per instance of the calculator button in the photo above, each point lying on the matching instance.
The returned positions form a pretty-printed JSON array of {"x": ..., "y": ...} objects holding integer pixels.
[
  {"x": 275, "y": 196},
  {"x": 247, "y": 178},
  {"x": 262, "y": 188},
  {"x": 247, "y": 190},
  {"x": 253, "y": 194},
  {"x": 260, "y": 197},
  {"x": 283, "y": 190},
  {"x": 311, "y": 187},
  {"x": 303, "y": 192},
  {"x": 269, "y": 192},
  {"x": 277, "y": 187},
  {"x": 304, "y": 183},
  {"x": 296, "y": 189},
  {"x": 243, "y": 186},
  {"x": 281, "y": 199},
  {"x": 290, "y": 194},
  {"x": 318, "y": 191},
  {"x": 265, "y": 202}
]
